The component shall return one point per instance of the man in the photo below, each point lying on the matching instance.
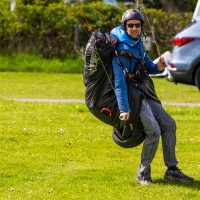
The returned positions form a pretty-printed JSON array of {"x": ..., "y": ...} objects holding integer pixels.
[{"x": 155, "y": 120}]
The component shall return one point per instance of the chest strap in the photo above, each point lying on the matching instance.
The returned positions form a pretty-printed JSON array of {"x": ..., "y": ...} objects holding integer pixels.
[
  {"x": 127, "y": 54},
  {"x": 140, "y": 73}
]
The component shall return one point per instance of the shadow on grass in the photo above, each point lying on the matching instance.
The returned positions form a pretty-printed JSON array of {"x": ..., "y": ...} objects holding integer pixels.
[{"x": 195, "y": 184}]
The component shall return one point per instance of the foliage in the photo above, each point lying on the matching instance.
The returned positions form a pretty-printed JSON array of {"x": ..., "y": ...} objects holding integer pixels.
[
  {"x": 4, "y": 6},
  {"x": 48, "y": 29},
  {"x": 38, "y": 29},
  {"x": 152, "y": 4},
  {"x": 186, "y": 5}
]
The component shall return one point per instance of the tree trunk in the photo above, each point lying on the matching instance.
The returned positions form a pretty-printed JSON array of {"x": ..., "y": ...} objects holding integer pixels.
[{"x": 169, "y": 5}]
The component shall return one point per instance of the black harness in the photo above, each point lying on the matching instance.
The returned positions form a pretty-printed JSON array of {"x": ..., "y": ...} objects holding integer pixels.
[{"x": 140, "y": 73}]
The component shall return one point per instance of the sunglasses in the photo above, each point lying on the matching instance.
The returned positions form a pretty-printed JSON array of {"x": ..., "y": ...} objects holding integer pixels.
[{"x": 132, "y": 25}]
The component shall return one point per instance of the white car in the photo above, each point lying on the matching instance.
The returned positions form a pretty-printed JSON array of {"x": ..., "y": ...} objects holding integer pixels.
[{"x": 167, "y": 57}]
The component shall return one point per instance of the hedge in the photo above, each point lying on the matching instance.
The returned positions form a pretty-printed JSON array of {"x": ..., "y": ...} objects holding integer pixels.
[{"x": 49, "y": 30}]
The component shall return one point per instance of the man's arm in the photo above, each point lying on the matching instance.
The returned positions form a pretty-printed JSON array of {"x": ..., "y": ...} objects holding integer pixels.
[{"x": 120, "y": 86}]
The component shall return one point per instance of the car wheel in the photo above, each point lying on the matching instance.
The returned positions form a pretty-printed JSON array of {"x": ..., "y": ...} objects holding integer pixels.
[{"x": 197, "y": 78}]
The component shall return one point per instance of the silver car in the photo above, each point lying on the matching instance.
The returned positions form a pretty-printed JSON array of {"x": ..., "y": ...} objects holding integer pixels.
[
  {"x": 111, "y": 2},
  {"x": 184, "y": 66}
]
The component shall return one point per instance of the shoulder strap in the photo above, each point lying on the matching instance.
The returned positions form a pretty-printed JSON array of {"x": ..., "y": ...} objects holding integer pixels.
[
  {"x": 127, "y": 54},
  {"x": 125, "y": 71}
]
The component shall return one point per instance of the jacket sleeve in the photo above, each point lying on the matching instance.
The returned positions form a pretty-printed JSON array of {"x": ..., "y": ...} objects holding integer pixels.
[
  {"x": 120, "y": 85},
  {"x": 152, "y": 68}
]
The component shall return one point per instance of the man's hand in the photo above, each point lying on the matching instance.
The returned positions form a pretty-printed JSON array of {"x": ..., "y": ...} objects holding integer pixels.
[
  {"x": 124, "y": 116},
  {"x": 161, "y": 64}
]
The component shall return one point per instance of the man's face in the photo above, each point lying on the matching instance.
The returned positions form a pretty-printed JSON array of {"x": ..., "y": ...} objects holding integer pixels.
[{"x": 133, "y": 28}]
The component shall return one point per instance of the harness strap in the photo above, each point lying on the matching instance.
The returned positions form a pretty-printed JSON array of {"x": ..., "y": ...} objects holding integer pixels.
[
  {"x": 129, "y": 55},
  {"x": 140, "y": 72}
]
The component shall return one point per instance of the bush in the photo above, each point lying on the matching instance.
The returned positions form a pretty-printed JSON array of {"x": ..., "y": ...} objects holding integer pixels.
[
  {"x": 40, "y": 29},
  {"x": 49, "y": 30}
]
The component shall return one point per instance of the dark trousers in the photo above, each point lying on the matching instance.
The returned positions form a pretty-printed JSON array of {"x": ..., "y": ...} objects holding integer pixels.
[{"x": 157, "y": 122}]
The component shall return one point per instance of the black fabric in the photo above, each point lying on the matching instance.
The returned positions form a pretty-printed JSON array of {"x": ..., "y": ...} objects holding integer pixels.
[
  {"x": 131, "y": 134},
  {"x": 148, "y": 89},
  {"x": 100, "y": 97},
  {"x": 141, "y": 72},
  {"x": 173, "y": 168},
  {"x": 98, "y": 78}
]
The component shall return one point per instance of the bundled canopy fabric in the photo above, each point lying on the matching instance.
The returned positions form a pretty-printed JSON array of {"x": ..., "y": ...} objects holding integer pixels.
[{"x": 100, "y": 97}]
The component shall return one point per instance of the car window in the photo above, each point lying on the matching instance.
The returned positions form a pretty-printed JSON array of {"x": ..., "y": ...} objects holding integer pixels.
[
  {"x": 189, "y": 25},
  {"x": 196, "y": 14}
]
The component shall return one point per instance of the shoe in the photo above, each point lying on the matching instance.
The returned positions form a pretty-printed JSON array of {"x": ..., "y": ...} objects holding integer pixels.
[
  {"x": 144, "y": 181},
  {"x": 144, "y": 175},
  {"x": 177, "y": 175}
]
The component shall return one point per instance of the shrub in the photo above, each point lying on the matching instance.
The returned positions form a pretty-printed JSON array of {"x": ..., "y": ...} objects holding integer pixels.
[{"x": 49, "y": 29}]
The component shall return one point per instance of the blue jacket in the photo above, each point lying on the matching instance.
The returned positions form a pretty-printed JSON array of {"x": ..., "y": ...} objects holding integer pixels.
[{"x": 125, "y": 43}]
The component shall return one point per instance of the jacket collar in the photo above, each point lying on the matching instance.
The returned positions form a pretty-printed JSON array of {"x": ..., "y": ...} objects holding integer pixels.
[{"x": 122, "y": 36}]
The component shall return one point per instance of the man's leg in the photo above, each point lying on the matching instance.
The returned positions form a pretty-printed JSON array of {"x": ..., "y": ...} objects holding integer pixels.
[
  {"x": 168, "y": 131},
  {"x": 152, "y": 131}
]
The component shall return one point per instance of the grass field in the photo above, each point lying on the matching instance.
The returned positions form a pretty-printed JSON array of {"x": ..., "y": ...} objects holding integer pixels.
[
  {"x": 25, "y": 62},
  {"x": 70, "y": 86},
  {"x": 60, "y": 151}
]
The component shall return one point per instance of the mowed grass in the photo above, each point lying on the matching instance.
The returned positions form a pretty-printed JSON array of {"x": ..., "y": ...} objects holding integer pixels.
[
  {"x": 25, "y": 62},
  {"x": 70, "y": 86},
  {"x": 61, "y": 151},
  {"x": 41, "y": 85}
]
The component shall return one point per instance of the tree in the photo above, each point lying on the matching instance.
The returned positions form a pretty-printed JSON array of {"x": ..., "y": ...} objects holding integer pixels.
[
  {"x": 169, "y": 6},
  {"x": 178, "y": 6}
]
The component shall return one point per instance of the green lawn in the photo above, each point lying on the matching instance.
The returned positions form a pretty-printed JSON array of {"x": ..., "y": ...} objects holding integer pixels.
[
  {"x": 60, "y": 151},
  {"x": 41, "y": 85},
  {"x": 70, "y": 86}
]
